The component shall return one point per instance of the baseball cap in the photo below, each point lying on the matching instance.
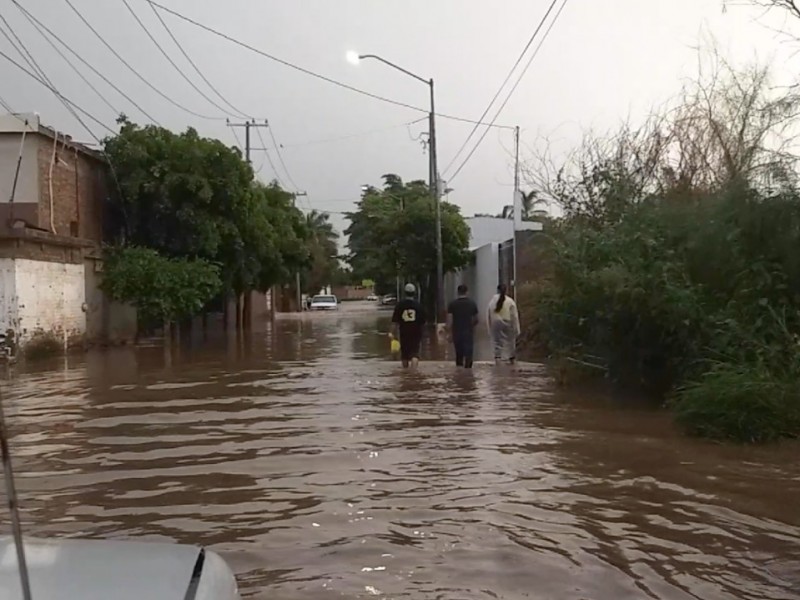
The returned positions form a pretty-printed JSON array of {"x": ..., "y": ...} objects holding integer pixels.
[{"x": 410, "y": 289}]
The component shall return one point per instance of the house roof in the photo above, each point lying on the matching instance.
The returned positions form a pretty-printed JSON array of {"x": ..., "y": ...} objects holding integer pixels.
[{"x": 16, "y": 123}]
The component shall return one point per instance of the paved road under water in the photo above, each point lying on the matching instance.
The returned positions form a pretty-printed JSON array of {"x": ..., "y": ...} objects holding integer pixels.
[{"x": 319, "y": 469}]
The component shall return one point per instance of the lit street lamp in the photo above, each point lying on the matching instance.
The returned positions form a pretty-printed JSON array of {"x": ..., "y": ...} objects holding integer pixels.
[{"x": 433, "y": 168}]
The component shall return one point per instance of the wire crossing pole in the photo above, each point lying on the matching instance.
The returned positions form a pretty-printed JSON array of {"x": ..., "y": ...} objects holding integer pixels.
[
  {"x": 13, "y": 508},
  {"x": 247, "y": 126}
]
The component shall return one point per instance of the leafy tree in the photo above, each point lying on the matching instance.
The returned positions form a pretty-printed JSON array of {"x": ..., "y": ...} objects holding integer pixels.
[
  {"x": 188, "y": 196},
  {"x": 393, "y": 233},
  {"x": 323, "y": 249},
  {"x": 162, "y": 289}
]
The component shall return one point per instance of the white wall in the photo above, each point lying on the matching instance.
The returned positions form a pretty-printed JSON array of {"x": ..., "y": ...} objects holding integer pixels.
[
  {"x": 481, "y": 278},
  {"x": 50, "y": 296},
  {"x": 8, "y": 295}
]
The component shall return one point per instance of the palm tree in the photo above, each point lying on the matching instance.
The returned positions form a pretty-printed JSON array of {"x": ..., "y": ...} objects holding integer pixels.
[
  {"x": 323, "y": 248},
  {"x": 530, "y": 201}
]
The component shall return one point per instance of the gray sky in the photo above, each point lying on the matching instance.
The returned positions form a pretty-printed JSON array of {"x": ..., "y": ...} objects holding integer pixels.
[{"x": 605, "y": 61}]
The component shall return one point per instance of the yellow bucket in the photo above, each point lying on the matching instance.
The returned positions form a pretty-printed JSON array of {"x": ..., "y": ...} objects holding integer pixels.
[{"x": 395, "y": 346}]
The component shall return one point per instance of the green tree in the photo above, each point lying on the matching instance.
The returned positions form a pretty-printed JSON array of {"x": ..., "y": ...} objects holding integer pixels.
[
  {"x": 393, "y": 233},
  {"x": 323, "y": 249},
  {"x": 163, "y": 289}
]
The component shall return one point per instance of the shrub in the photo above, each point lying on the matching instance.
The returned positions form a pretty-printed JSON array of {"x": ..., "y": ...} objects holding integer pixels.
[{"x": 742, "y": 403}]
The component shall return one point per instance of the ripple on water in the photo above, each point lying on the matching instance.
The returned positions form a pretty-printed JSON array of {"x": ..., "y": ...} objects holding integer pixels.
[{"x": 351, "y": 478}]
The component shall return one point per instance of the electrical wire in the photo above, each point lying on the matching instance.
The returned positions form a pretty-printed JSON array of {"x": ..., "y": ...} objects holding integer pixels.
[
  {"x": 5, "y": 105},
  {"x": 22, "y": 50},
  {"x": 241, "y": 113},
  {"x": 502, "y": 85},
  {"x": 280, "y": 157},
  {"x": 141, "y": 77},
  {"x": 72, "y": 65},
  {"x": 308, "y": 71},
  {"x": 66, "y": 101},
  {"x": 28, "y": 57},
  {"x": 62, "y": 97},
  {"x": 42, "y": 28},
  {"x": 172, "y": 62},
  {"x": 351, "y": 135},
  {"x": 269, "y": 157},
  {"x": 513, "y": 89}
]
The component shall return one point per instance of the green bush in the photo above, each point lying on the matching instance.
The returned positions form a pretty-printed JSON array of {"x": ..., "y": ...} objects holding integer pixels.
[{"x": 739, "y": 403}]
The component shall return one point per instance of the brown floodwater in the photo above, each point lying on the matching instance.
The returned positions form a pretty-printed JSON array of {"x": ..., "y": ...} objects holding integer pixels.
[{"x": 320, "y": 469}]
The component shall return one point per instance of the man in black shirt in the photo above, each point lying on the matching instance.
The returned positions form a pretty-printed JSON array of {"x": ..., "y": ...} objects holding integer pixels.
[
  {"x": 408, "y": 319},
  {"x": 462, "y": 316}
]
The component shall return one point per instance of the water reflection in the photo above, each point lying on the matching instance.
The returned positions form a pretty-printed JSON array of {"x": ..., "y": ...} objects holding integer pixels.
[{"x": 319, "y": 467}]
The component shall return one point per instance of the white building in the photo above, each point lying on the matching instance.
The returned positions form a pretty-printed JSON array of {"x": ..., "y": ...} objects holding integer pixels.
[{"x": 483, "y": 276}]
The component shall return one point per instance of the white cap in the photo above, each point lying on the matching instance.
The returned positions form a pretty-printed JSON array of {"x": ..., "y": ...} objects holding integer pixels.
[{"x": 410, "y": 289}]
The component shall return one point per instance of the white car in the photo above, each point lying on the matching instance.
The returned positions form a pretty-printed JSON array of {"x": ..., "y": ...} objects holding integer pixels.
[
  {"x": 372, "y": 298},
  {"x": 324, "y": 303}
]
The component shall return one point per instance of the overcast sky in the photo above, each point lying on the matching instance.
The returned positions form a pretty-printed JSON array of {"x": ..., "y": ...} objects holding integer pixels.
[{"x": 605, "y": 61}]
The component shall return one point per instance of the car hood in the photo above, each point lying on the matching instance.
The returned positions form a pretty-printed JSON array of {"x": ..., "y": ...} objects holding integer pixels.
[{"x": 99, "y": 570}]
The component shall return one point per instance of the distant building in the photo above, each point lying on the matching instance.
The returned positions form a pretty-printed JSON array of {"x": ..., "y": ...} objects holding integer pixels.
[
  {"x": 491, "y": 242},
  {"x": 53, "y": 192}
]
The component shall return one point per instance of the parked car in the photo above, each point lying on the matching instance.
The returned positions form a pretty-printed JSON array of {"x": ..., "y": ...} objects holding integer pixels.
[
  {"x": 324, "y": 303},
  {"x": 372, "y": 298},
  {"x": 389, "y": 300}
]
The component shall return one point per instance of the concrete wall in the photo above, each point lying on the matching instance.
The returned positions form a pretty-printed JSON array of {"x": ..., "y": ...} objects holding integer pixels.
[{"x": 41, "y": 295}]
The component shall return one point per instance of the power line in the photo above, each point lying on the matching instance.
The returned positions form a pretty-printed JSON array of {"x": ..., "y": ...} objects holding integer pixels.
[
  {"x": 22, "y": 50},
  {"x": 269, "y": 157},
  {"x": 194, "y": 65},
  {"x": 502, "y": 85},
  {"x": 172, "y": 62},
  {"x": 513, "y": 89},
  {"x": 72, "y": 65},
  {"x": 134, "y": 71},
  {"x": 28, "y": 57},
  {"x": 351, "y": 135},
  {"x": 41, "y": 26},
  {"x": 62, "y": 97},
  {"x": 308, "y": 71},
  {"x": 280, "y": 158}
]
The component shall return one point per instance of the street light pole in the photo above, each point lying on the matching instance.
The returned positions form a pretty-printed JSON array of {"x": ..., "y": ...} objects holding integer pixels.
[{"x": 433, "y": 168}]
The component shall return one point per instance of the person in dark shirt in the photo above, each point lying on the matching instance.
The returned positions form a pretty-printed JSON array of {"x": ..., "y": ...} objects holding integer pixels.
[
  {"x": 462, "y": 317},
  {"x": 408, "y": 319}
]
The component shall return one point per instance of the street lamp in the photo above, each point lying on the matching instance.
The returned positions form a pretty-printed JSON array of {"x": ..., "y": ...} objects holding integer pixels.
[{"x": 433, "y": 168}]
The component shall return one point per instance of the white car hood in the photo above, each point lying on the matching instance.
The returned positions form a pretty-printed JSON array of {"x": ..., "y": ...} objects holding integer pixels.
[{"x": 101, "y": 570}]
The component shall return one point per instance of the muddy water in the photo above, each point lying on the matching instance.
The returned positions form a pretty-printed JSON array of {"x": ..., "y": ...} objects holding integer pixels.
[{"x": 319, "y": 469}]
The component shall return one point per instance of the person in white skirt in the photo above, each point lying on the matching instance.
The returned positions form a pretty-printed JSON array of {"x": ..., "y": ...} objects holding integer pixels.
[{"x": 502, "y": 320}]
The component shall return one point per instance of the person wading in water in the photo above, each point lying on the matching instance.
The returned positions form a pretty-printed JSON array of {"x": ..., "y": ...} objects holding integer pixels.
[
  {"x": 462, "y": 319},
  {"x": 408, "y": 319},
  {"x": 503, "y": 322}
]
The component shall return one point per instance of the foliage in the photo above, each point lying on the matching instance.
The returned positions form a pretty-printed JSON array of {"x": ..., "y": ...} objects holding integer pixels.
[
  {"x": 323, "y": 248},
  {"x": 188, "y": 196},
  {"x": 740, "y": 403},
  {"x": 393, "y": 232},
  {"x": 686, "y": 280},
  {"x": 162, "y": 289}
]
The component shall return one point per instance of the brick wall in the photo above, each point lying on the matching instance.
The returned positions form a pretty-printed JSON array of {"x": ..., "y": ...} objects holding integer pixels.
[{"x": 79, "y": 192}]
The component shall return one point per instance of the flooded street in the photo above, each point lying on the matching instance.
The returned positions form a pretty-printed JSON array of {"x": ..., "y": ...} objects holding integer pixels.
[{"x": 320, "y": 469}]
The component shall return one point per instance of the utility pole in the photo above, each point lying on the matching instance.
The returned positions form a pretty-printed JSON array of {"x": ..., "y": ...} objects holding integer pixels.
[
  {"x": 243, "y": 311},
  {"x": 517, "y": 210},
  {"x": 437, "y": 198},
  {"x": 297, "y": 273},
  {"x": 247, "y": 125}
]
